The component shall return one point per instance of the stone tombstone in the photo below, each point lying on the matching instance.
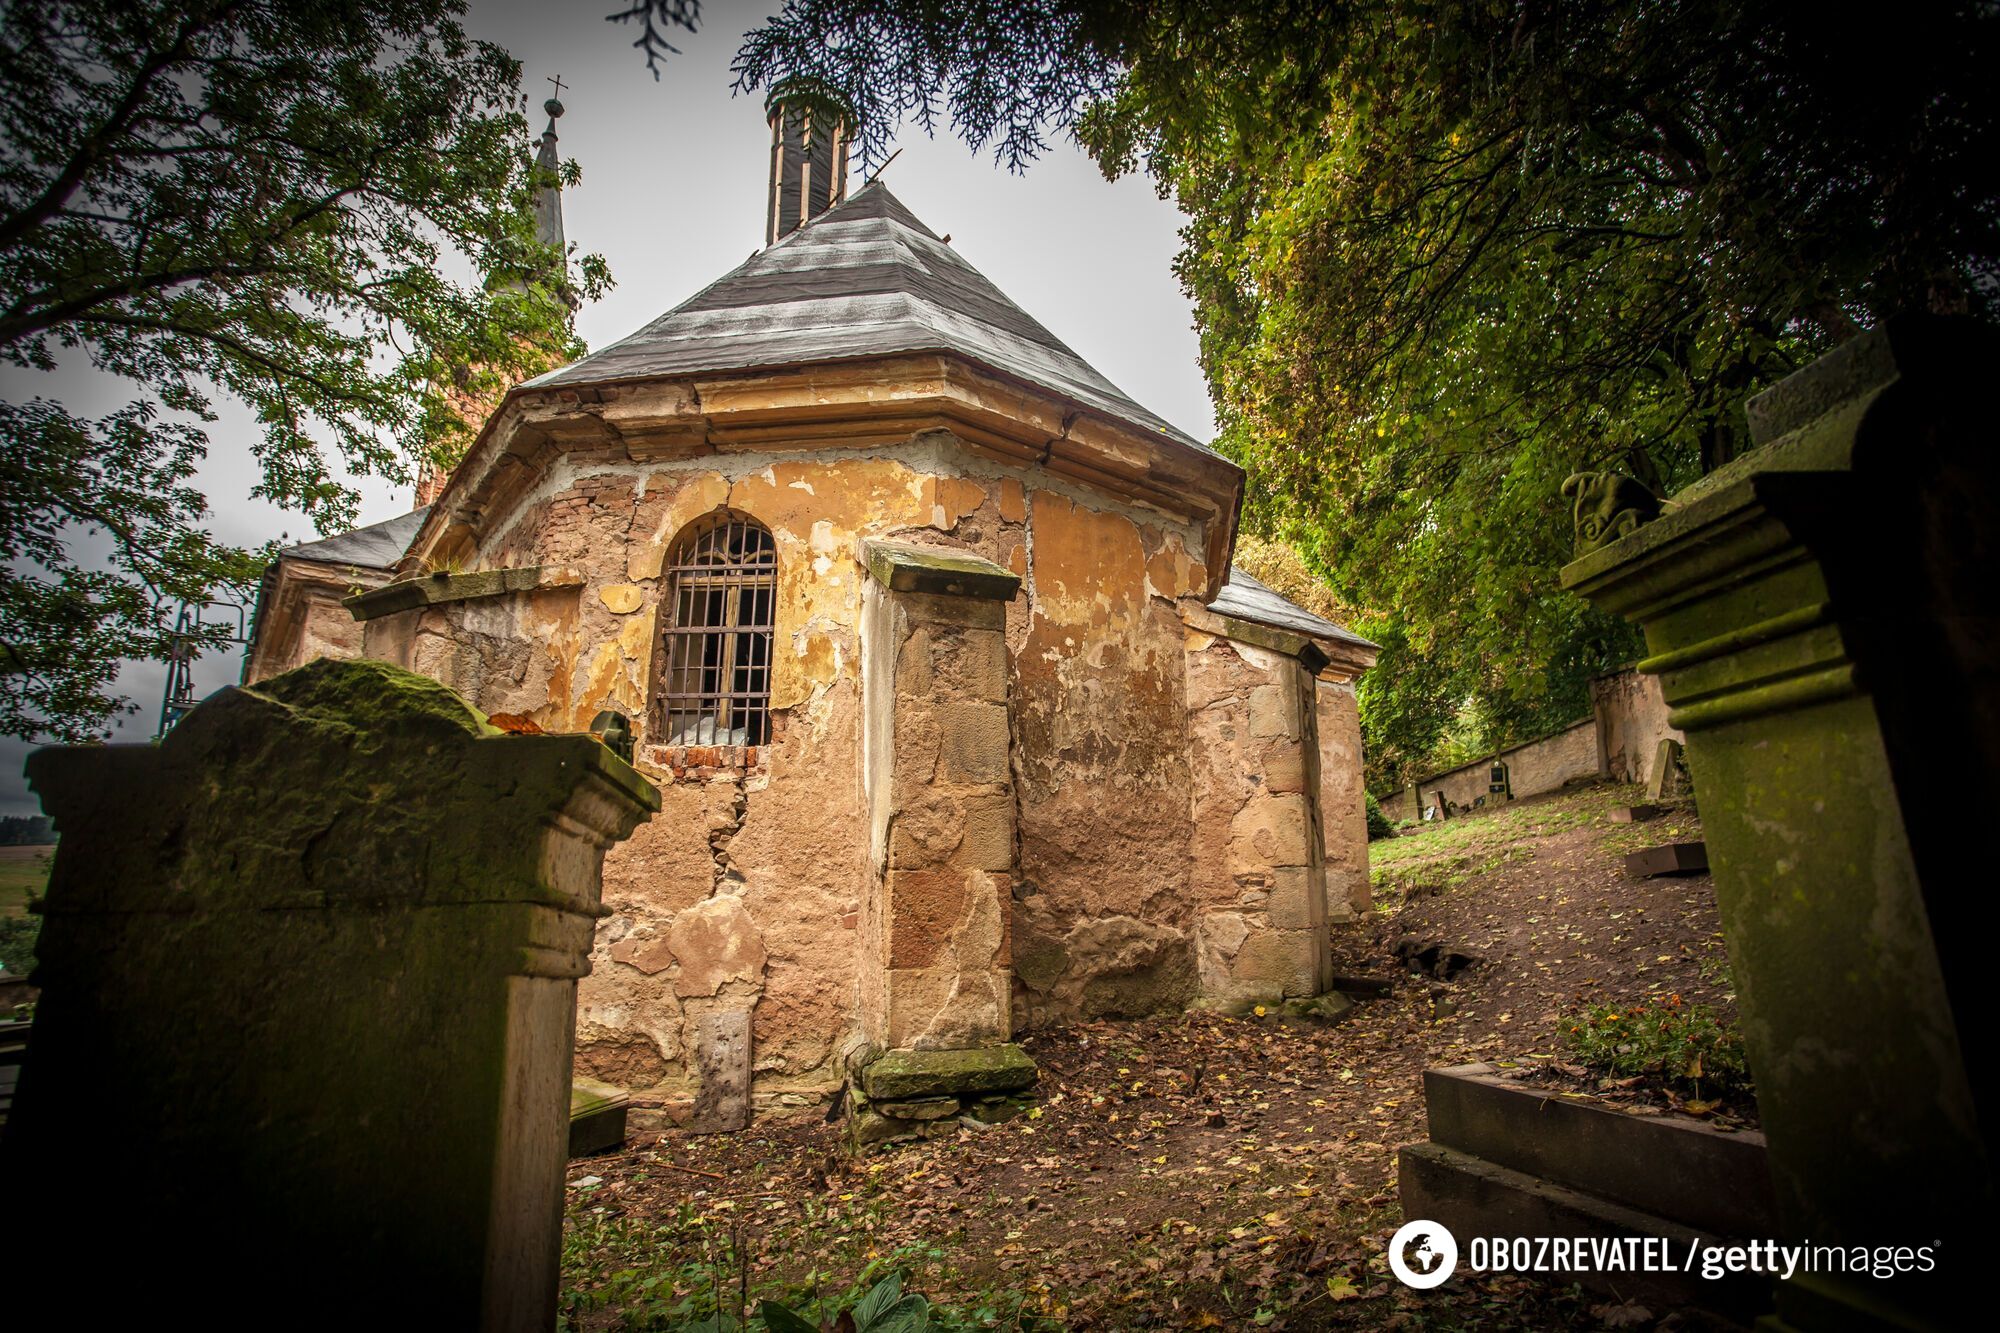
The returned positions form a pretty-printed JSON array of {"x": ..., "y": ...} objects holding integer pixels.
[
  {"x": 1666, "y": 782},
  {"x": 722, "y": 1055},
  {"x": 1824, "y": 619},
  {"x": 308, "y": 976},
  {"x": 936, "y": 969}
]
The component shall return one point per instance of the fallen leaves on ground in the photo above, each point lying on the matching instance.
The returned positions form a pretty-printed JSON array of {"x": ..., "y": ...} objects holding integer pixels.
[{"x": 1192, "y": 1171}]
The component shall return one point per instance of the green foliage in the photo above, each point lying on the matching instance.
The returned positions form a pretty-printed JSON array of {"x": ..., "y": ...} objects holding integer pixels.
[
  {"x": 258, "y": 200},
  {"x": 695, "y": 1273},
  {"x": 17, "y": 943},
  {"x": 1686, "y": 1045},
  {"x": 884, "y": 1309},
  {"x": 1443, "y": 255},
  {"x": 1378, "y": 823}
]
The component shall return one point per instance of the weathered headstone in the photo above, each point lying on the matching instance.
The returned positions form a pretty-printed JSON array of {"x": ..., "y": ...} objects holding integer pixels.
[
  {"x": 722, "y": 1062},
  {"x": 308, "y": 977},
  {"x": 1825, "y": 623},
  {"x": 1669, "y": 778}
]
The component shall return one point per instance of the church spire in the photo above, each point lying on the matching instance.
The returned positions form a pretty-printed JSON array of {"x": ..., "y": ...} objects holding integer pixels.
[
  {"x": 548, "y": 199},
  {"x": 473, "y": 404}
]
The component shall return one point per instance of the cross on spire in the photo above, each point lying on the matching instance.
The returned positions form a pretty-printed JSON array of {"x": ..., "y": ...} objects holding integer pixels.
[{"x": 554, "y": 105}]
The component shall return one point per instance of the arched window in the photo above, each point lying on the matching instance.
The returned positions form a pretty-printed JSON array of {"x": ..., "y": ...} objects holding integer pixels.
[{"x": 714, "y": 660}]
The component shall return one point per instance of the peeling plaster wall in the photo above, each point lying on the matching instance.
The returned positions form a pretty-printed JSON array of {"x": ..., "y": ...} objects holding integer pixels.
[
  {"x": 1104, "y": 921},
  {"x": 1631, "y": 722},
  {"x": 1167, "y": 785},
  {"x": 305, "y": 620},
  {"x": 746, "y": 891}
]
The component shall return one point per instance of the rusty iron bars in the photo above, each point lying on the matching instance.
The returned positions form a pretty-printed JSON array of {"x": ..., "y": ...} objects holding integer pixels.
[{"x": 714, "y": 684}]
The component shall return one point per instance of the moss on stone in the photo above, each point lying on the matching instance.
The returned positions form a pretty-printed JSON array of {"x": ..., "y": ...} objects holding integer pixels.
[
  {"x": 906, "y": 1074},
  {"x": 905, "y": 568},
  {"x": 368, "y": 696}
]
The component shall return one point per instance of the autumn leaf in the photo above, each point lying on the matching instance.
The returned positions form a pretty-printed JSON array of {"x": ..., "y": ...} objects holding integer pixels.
[{"x": 1342, "y": 1288}]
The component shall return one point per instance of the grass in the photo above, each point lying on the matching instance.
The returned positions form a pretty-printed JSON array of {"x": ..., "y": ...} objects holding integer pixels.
[
  {"x": 1446, "y": 853},
  {"x": 677, "y": 1269},
  {"x": 24, "y": 874}
]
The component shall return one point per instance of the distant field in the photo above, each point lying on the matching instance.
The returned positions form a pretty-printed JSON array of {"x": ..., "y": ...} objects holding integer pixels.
[{"x": 23, "y": 873}]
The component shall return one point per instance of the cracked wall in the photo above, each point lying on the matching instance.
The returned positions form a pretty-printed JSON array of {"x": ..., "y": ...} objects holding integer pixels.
[{"x": 747, "y": 893}]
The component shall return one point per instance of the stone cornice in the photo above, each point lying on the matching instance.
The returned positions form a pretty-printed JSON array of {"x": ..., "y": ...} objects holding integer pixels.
[
  {"x": 1311, "y": 652},
  {"x": 433, "y": 589},
  {"x": 902, "y": 567},
  {"x": 862, "y": 405}
]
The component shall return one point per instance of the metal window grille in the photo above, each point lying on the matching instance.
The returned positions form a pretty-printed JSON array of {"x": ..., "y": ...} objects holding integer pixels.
[{"x": 715, "y": 652}]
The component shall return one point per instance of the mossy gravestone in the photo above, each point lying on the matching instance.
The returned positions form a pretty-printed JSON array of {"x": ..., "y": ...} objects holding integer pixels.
[
  {"x": 1825, "y": 622},
  {"x": 308, "y": 980}
]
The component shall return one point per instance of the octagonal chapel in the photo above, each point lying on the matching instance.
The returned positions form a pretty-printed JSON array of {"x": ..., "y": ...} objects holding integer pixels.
[{"x": 961, "y": 719}]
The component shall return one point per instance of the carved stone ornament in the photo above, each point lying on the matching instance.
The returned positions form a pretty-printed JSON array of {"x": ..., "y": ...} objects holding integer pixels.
[{"x": 1608, "y": 507}]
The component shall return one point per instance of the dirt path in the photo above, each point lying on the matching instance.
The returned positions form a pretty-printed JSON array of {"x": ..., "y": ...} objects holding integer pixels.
[{"x": 1195, "y": 1171}]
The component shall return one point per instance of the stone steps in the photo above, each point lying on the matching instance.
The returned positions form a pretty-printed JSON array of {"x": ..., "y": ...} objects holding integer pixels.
[
  {"x": 1473, "y": 1197},
  {"x": 1508, "y": 1159}
]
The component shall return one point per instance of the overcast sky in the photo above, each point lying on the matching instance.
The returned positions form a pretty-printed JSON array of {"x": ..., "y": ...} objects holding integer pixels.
[{"x": 673, "y": 196}]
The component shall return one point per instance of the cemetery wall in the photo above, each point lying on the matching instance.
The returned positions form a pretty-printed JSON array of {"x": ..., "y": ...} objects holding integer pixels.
[{"x": 1619, "y": 741}]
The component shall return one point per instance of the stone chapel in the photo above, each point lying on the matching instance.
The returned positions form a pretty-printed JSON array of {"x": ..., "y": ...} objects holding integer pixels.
[{"x": 928, "y": 635}]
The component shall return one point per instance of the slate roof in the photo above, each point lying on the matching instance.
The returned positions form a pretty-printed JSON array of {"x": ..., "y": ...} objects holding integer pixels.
[
  {"x": 377, "y": 546},
  {"x": 863, "y": 279},
  {"x": 1247, "y": 599}
]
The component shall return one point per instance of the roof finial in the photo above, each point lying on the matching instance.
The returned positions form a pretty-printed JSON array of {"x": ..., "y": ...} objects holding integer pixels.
[{"x": 554, "y": 105}]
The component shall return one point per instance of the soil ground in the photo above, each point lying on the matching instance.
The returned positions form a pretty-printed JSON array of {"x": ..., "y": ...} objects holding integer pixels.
[{"x": 1194, "y": 1171}]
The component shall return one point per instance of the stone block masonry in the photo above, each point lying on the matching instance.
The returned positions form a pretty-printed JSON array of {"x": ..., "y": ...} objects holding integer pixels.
[
  {"x": 308, "y": 978},
  {"x": 934, "y": 928},
  {"x": 1258, "y": 861}
]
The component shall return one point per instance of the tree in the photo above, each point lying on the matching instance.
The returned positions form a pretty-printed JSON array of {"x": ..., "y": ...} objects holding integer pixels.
[
  {"x": 1444, "y": 254},
  {"x": 255, "y": 199}
]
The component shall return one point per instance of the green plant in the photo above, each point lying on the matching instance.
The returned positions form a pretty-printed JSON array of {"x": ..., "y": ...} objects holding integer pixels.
[
  {"x": 324, "y": 212},
  {"x": 1686, "y": 1045},
  {"x": 17, "y": 943},
  {"x": 1378, "y": 823},
  {"x": 884, "y": 1309}
]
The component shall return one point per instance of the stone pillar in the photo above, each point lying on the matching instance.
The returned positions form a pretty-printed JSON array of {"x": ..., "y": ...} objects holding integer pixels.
[
  {"x": 308, "y": 978},
  {"x": 1823, "y": 618},
  {"x": 934, "y": 931},
  {"x": 1258, "y": 854},
  {"x": 1343, "y": 809},
  {"x": 1275, "y": 838}
]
